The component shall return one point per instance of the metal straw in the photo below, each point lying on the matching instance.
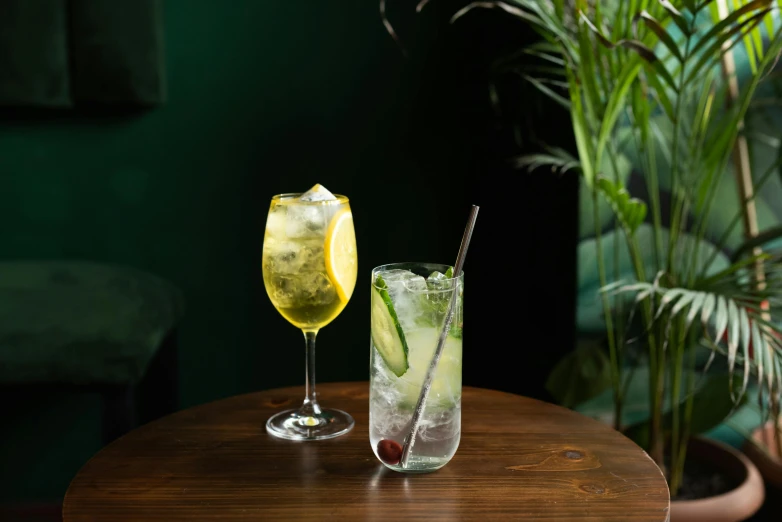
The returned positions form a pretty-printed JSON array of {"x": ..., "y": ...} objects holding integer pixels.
[{"x": 419, "y": 407}]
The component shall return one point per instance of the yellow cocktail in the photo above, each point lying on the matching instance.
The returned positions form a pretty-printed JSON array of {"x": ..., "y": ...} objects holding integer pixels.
[{"x": 309, "y": 271}]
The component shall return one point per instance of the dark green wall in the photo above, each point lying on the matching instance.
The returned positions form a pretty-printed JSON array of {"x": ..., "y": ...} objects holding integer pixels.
[{"x": 264, "y": 97}]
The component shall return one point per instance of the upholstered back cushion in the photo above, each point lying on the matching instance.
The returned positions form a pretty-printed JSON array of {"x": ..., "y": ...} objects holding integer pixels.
[{"x": 81, "y": 322}]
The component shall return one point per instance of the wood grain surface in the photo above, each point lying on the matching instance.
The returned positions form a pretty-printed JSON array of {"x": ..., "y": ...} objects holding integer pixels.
[{"x": 518, "y": 459}]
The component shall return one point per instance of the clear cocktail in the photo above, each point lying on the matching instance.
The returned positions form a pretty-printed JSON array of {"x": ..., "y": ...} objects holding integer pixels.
[{"x": 409, "y": 304}]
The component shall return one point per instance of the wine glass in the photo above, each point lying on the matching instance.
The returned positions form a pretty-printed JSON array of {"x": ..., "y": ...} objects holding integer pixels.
[{"x": 309, "y": 271}]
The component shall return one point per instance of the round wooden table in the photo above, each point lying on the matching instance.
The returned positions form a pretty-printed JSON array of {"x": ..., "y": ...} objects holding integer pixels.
[{"x": 518, "y": 458}]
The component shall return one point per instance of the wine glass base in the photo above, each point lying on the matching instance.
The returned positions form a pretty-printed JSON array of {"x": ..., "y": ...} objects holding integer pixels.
[{"x": 292, "y": 425}]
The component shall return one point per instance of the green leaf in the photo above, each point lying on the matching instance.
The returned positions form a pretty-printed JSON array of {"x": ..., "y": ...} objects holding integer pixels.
[
  {"x": 620, "y": 170},
  {"x": 616, "y": 105},
  {"x": 760, "y": 359},
  {"x": 746, "y": 335},
  {"x": 682, "y": 302},
  {"x": 695, "y": 307},
  {"x": 542, "y": 22},
  {"x": 708, "y": 308},
  {"x": 677, "y": 17},
  {"x": 736, "y": 314},
  {"x": 659, "y": 90},
  {"x": 548, "y": 91},
  {"x": 721, "y": 318},
  {"x": 716, "y": 35},
  {"x": 661, "y": 33},
  {"x": 659, "y": 68},
  {"x": 631, "y": 212},
  {"x": 748, "y": 90},
  {"x": 587, "y": 75},
  {"x": 769, "y": 21},
  {"x": 753, "y": 44},
  {"x": 715, "y": 51},
  {"x": 641, "y": 110},
  {"x": 534, "y": 161},
  {"x": 515, "y": 11},
  {"x": 669, "y": 297},
  {"x": 580, "y": 375},
  {"x": 637, "y": 46},
  {"x": 581, "y": 131},
  {"x": 734, "y": 329}
]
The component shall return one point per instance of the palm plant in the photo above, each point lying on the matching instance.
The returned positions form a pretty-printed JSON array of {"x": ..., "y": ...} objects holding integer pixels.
[{"x": 654, "y": 79}]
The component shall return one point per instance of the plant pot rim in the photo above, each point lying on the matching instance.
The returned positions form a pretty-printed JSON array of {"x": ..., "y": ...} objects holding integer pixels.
[{"x": 744, "y": 500}]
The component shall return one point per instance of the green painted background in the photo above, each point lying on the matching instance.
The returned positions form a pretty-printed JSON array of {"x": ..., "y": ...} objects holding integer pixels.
[{"x": 264, "y": 97}]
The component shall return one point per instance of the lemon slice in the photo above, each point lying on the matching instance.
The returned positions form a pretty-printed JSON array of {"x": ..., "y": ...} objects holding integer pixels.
[{"x": 340, "y": 254}]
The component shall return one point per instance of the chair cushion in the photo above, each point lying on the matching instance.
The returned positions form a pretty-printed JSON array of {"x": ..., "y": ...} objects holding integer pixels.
[{"x": 81, "y": 322}]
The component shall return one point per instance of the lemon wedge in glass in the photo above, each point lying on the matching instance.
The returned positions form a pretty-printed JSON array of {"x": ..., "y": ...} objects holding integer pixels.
[{"x": 340, "y": 254}]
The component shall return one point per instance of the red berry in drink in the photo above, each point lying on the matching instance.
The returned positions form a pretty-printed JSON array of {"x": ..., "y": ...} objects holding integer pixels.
[{"x": 389, "y": 451}]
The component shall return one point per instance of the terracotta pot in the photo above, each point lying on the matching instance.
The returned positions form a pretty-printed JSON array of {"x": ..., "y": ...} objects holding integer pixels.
[
  {"x": 763, "y": 453},
  {"x": 733, "y": 506}
]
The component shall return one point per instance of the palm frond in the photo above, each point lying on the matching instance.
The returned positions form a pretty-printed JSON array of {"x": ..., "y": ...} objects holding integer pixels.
[
  {"x": 555, "y": 158},
  {"x": 752, "y": 342},
  {"x": 660, "y": 72},
  {"x": 615, "y": 106},
  {"x": 540, "y": 85},
  {"x": 678, "y": 18},
  {"x": 723, "y": 43},
  {"x": 548, "y": 26},
  {"x": 636, "y": 46},
  {"x": 717, "y": 35},
  {"x": 658, "y": 29}
]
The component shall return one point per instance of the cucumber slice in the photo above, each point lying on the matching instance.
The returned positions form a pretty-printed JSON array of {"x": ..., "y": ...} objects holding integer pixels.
[{"x": 387, "y": 334}]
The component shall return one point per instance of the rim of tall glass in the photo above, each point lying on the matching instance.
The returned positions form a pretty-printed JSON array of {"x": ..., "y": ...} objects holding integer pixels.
[{"x": 430, "y": 267}]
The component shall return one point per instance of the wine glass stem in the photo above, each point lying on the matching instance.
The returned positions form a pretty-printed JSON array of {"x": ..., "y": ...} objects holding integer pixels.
[{"x": 310, "y": 407}]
